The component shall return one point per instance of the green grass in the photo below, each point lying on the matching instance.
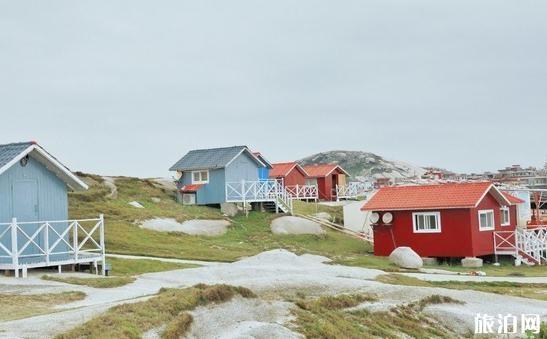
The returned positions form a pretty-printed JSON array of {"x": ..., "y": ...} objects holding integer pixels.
[
  {"x": 17, "y": 306},
  {"x": 532, "y": 291},
  {"x": 246, "y": 237},
  {"x": 329, "y": 317},
  {"x": 123, "y": 272},
  {"x": 168, "y": 308}
]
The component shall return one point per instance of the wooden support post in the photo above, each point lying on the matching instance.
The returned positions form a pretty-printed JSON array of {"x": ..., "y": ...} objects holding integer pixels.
[
  {"x": 60, "y": 269},
  {"x": 46, "y": 240},
  {"x": 14, "y": 247},
  {"x": 75, "y": 239},
  {"x": 102, "y": 243},
  {"x": 24, "y": 271}
]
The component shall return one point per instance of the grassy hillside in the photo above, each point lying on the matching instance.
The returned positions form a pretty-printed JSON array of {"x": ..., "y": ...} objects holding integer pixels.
[{"x": 247, "y": 236}]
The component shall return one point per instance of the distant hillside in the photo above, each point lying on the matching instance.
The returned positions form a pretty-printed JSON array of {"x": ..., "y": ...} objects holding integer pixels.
[{"x": 365, "y": 165}]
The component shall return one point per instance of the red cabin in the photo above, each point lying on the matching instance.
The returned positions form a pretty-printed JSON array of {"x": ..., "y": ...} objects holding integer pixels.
[
  {"x": 292, "y": 173},
  {"x": 326, "y": 177},
  {"x": 443, "y": 220}
]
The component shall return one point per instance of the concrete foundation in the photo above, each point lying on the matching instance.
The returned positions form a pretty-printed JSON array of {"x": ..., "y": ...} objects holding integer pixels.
[{"x": 471, "y": 262}]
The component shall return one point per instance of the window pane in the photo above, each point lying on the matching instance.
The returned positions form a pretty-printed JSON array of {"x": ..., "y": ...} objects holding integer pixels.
[
  {"x": 420, "y": 222},
  {"x": 490, "y": 219},
  {"x": 196, "y": 176},
  {"x": 204, "y": 176},
  {"x": 483, "y": 220},
  {"x": 432, "y": 222}
]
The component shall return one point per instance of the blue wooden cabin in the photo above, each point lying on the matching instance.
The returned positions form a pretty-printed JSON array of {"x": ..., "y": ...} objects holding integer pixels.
[
  {"x": 202, "y": 174},
  {"x": 34, "y": 206}
]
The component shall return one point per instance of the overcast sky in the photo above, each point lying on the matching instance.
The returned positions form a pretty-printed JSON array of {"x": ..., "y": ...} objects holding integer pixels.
[{"x": 128, "y": 87}]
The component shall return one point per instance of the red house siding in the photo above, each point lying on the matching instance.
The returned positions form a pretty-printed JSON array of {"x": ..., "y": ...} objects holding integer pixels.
[
  {"x": 454, "y": 240},
  {"x": 483, "y": 241},
  {"x": 295, "y": 177},
  {"x": 459, "y": 237}
]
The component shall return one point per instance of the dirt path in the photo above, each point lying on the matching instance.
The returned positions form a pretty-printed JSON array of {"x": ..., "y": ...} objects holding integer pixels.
[
  {"x": 275, "y": 275},
  {"x": 178, "y": 261}
]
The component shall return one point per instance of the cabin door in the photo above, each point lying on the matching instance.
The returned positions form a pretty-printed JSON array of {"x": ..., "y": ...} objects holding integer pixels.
[
  {"x": 25, "y": 208},
  {"x": 25, "y": 200}
]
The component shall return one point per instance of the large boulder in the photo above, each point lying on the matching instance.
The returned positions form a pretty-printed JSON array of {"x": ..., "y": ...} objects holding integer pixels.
[
  {"x": 229, "y": 209},
  {"x": 295, "y": 225},
  {"x": 405, "y": 257}
]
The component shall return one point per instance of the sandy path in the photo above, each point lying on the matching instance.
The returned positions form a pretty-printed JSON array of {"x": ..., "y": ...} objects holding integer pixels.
[{"x": 275, "y": 274}]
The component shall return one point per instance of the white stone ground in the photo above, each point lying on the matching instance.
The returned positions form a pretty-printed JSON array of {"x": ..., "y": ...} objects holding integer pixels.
[
  {"x": 295, "y": 225},
  {"x": 193, "y": 227},
  {"x": 110, "y": 182},
  {"x": 273, "y": 275}
]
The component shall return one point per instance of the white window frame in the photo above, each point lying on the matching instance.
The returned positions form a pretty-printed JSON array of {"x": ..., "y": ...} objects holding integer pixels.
[
  {"x": 201, "y": 181},
  {"x": 502, "y": 210},
  {"x": 481, "y": 212},
  {"x": 437, "y": 217}
]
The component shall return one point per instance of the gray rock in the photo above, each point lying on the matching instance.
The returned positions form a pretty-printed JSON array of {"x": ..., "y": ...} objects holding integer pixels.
[
  {"x": 156, "y": 200},
  {"x": 229, "y": 209},
  {"x": 136, "y": 204},
  {"x": 471, "y": 262},
  {"x": 405, "y": 257},
  {"x": 295, "y": 225}
]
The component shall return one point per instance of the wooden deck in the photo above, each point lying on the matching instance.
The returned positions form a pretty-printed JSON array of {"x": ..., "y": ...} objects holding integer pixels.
[{"x": 25, "y": 245}]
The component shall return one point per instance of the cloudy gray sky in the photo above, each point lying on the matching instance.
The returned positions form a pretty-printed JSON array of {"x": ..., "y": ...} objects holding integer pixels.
[{"x": 127, "y": 87}]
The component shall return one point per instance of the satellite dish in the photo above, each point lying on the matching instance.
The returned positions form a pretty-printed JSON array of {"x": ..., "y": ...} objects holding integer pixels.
[
  {"x": 387, "y": 218},
  {"x": 374, "y": 217},
  {"x": 178, "y": 175}
]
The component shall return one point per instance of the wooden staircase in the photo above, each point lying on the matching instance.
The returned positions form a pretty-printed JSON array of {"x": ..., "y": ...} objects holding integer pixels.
[{"x": 527, "y": 245}]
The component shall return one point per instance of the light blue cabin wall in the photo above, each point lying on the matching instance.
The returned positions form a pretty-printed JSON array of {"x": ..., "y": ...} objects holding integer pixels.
[
  {"x": 210, "y": 193},
  {"x": 51, "y": 199},
  {"x": 242, "y": 168}
]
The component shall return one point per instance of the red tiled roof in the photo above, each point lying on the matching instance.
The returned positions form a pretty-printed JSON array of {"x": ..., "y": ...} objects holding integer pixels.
[
  {"x": 452, "y": 195},
  {"x": 191, "y": 188},
  {"x": 512, "y": 199},
  {"x": 322, "y": 170},
  {"x": 281, "y": 169}
]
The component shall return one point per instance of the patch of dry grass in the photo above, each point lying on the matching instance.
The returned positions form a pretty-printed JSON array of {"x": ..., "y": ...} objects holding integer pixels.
[
  {"x": 331, "y": 319},
  {"x": 17, "y": 306},
  {"x": 123, "y": 272},
  {"x": 524, "y": 290},
  {"x": 168, "y": 307}
]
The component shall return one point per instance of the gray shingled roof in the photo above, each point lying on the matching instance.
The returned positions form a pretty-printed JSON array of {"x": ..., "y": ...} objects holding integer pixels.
[
  {"x": 10, "y": 151},
  {"x": 208, "y": 158}
]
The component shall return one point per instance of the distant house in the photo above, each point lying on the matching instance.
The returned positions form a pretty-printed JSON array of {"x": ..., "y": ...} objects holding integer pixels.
[
  {"x": 291, "y": 173},
  {"x": 34, "y": 226},
  {"x": 203, "y": 175},
  {"x": 326, "y": 177},
  {"x": 442, "y": 220},
  {"x": 264, "y": 171}
]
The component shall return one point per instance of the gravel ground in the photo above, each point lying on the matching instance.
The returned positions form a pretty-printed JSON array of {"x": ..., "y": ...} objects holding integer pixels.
[
  {"x": 272, "y": 275},
  {"x": 193, "y": 227}
]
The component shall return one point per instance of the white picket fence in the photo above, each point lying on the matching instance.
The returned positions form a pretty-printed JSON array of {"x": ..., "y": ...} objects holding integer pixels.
[
  {"x": 352, "y": 190},
  {"x": 259, "y": 191},
  {"x": 33, "y": 244},
  {"x": 303, "y": 192},
  {"x": 527, "y": 244}
]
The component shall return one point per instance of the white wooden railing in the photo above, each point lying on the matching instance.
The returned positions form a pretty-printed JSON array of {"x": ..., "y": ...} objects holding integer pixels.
[
  {"x": 530, "y": 243},
  {"x": 303, "y": 192},
  {"x": 351, "y": 190},
  {"x": 259, "y": 191},
  {"x": 51, "y": 243}
]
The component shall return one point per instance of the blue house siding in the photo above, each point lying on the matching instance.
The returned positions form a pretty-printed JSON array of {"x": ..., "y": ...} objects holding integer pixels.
[
  {"x": 263, "y": 173},
  {"x": 242, "y": 168},
  {"x": 212, "y": 192},
  {"x": 32, "y": 193}
]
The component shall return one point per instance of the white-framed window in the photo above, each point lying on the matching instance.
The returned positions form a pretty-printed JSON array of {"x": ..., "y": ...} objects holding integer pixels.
[
  {"x": 200, "y": 177},
  {"x": 505, "y": 217},
  {"x": 426, "y": 222},
  {"x": 486, "y": 220}
]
